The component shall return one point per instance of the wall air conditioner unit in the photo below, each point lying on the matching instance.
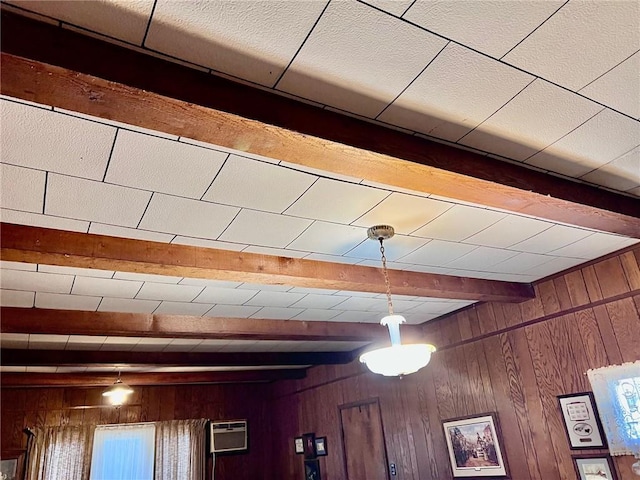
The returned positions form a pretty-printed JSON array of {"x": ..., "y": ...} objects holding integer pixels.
[{"x": 229, "y": 436}]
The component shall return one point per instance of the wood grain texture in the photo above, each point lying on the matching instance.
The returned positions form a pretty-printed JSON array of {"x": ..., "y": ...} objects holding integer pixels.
[
  {"x": 109, "y": 81},
  {"x": 29, "y": 244}
]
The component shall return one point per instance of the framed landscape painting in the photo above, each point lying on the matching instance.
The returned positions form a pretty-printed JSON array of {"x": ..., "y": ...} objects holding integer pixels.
[{"x": 475, "y": 446}]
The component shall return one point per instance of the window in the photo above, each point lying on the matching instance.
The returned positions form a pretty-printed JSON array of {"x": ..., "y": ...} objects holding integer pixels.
[{"x": 123, "y": 452}]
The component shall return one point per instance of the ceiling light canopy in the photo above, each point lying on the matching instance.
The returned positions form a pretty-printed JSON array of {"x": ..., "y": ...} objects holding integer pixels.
[
  {"x": 118, "y": 393},
  {"x": 398, "y": 359}
]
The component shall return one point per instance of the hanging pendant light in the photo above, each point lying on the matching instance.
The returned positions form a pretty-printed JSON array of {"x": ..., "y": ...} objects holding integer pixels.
[
  {"x": 398, "y": 359},
  {"x": 118, "y": 393}
]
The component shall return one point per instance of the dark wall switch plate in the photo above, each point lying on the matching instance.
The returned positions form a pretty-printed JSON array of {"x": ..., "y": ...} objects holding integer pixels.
[{"x": 392, "y": 469}]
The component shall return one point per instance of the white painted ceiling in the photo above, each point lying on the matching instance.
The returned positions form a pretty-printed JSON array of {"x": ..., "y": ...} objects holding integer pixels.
[
  {"x": 550, "y": 84},
  {"x": 553, "y": 85}
]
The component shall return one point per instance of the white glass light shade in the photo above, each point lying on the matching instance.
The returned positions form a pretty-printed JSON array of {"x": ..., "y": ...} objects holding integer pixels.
[
  {"x": 398, "y": 359},
  {"x": 117, "y": 393}
]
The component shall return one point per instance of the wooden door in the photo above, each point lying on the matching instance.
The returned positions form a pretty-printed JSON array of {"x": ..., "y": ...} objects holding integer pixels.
[{"x": 365, "y": 455}]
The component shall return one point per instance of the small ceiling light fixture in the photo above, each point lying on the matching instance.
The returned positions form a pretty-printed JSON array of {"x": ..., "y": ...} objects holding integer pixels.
[
  {"x": 398, "y": 359},
  {"x": 118, "y": 393}
]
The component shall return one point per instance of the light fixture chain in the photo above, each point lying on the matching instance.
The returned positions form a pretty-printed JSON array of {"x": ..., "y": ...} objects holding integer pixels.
[{"x": 386, "y": 277}]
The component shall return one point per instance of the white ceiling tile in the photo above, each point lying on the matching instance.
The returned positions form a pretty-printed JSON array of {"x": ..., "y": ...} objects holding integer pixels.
[
  {"x": 105, "y": 287},
  {"x": 619, "y": 87},
  {"x": 336, "y": 201},
  {"x": 318, "y": 301},
  {"x": 395, "y": 188},
  {"x": 45, "y": 140},
  {"x": 47, "y": 342},
  {"x": 85, "y": 342},
  {"x": 127, "y": 305},
  {"x": 527, "y": 124},
  {"x": 274, "y": 299},
  {"x": 237, "y": 345},
  {"x": 448, "y": 106},
  {"x": 395, "y": 7},
  {"x": 22, "y": 188},
  {"x": 123, "y": 20},
  {"x": 113, "y": 231},
  {"x": 151, "y": 163},
  {"x": 521, "y": 263},
  {"x": 14, "y": 340},
  {"x": 593, "y": 144},
  {"x": 16, "y": 298},
  {"x": 317, "y": 314},
  {"x": 312, "y": 291},
  {"x": 201, "y": 282},
  {"x": 277, "y": 313},
  {"x": 433, "y": 306},
  {"x": 182, "y": 344},
  {"x": 210, "y": 345},
  {"x": 321, "y": 257},
  {"x": 438, "y": 253},
  {"x": 200, "y": 242},
  {"x": 362, "y": 303},
  {"x": 634, "y": 191},
  {"x": 556, "y": 265},
  {"x": 232, "y": 311},
  {"x": 357, "y": 317},
  {"x": 85, "y": 272},
  {"x": 225, "y": 296},
  {"x": 488, "y": 26},
  {"x": 508, "y": 231},
  {"x": 262, "y": 186},
  {"x": 221, "y": 35},
  {"x": 345, "y": 74},
  {"x": 183, "y": 308},
  {"x": 580, "y": 42},
  {"x": 318, "y": 172},
  {"x": 482, "y": 258},
  {"x": 623, "y": 173},
  {"x": 458, "y": 223},
  {"x": 6, "y": 265},
  {"x": 395, "y": 248},
  {"x": 40, "y": 282},
  {"x": 278, "y": 252},
  {"x": 594, "y": 246},
  {"x": 142, "y": 277},
  {"x": 555, "y": 237},
  {"x": 44, "y": 369},
  {"x": 94, "y": 201},
  {"x": 241, "y": 149},
  {"x": 183, "y": 216},
  {"x": 404, "y": 212},
  {"x": 266, "y": 287},
  {"x": 119, "y": 344},
  {"x": 329, "y": 238},
  {"x": 46, "y": 221},
  {"x": 264, "y": 229},
  {"x": 346, "y": 293},
  {"x": 66, "y": 302},
  {"x": 164, "y": 291},
  {"x": 151, "y": 344}
]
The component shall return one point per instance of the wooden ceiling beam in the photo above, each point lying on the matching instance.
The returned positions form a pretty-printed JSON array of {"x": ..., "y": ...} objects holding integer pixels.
[
  {"x": 115, "y": 83},
  {"x": 95, "y": 358},
  {"x": 8, "y": 380},
  {"x": 72, "y": 322},
  {"x": 23, "y": 243}
]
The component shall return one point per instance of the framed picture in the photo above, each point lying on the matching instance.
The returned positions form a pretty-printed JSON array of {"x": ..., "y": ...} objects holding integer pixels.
[
  {"x": 312, "y": 470},
  {"x": 475, "y": 446},
  {"x": 581, "y": 421},
  {"x": 594, "y": 467},
  {"x": 11, "y": 463},
  {"x": 299, "y": 445},
  {"x": 309, "y": 445},
  {"x": 321, "y": 446}
]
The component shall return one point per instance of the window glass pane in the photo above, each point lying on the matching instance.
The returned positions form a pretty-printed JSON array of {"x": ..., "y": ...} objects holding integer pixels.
[{"x": 123, "y": 452}]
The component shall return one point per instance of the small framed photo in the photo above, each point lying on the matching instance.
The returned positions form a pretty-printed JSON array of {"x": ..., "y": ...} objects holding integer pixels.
[
  {"x": 299, "y": 445},
  {"x": 475, "y": 446},
  {"x": 594, "y": 467},
  {"x": 321, "y": 446},
  {"x": 11, "y": 463},
  {"x": 312, "y": 470},
  {"x": 309, "y": 446},
  {"x": 581, "y": 421}
]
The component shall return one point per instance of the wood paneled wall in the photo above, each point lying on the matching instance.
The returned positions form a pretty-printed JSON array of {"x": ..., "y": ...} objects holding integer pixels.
[
  {"x": 513, "y": 359},
  {"x": 34, "y": 407}
]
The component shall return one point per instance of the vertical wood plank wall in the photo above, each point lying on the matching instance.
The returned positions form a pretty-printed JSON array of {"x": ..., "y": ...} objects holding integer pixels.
[
  {"x": 34, "y": 407},
  {"x": 513, "y": 359}
]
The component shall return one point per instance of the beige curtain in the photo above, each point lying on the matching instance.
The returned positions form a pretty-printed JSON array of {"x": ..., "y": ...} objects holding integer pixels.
[
  {"x": 180, "y": 450},
  {"x": 60, "y": 453}
]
